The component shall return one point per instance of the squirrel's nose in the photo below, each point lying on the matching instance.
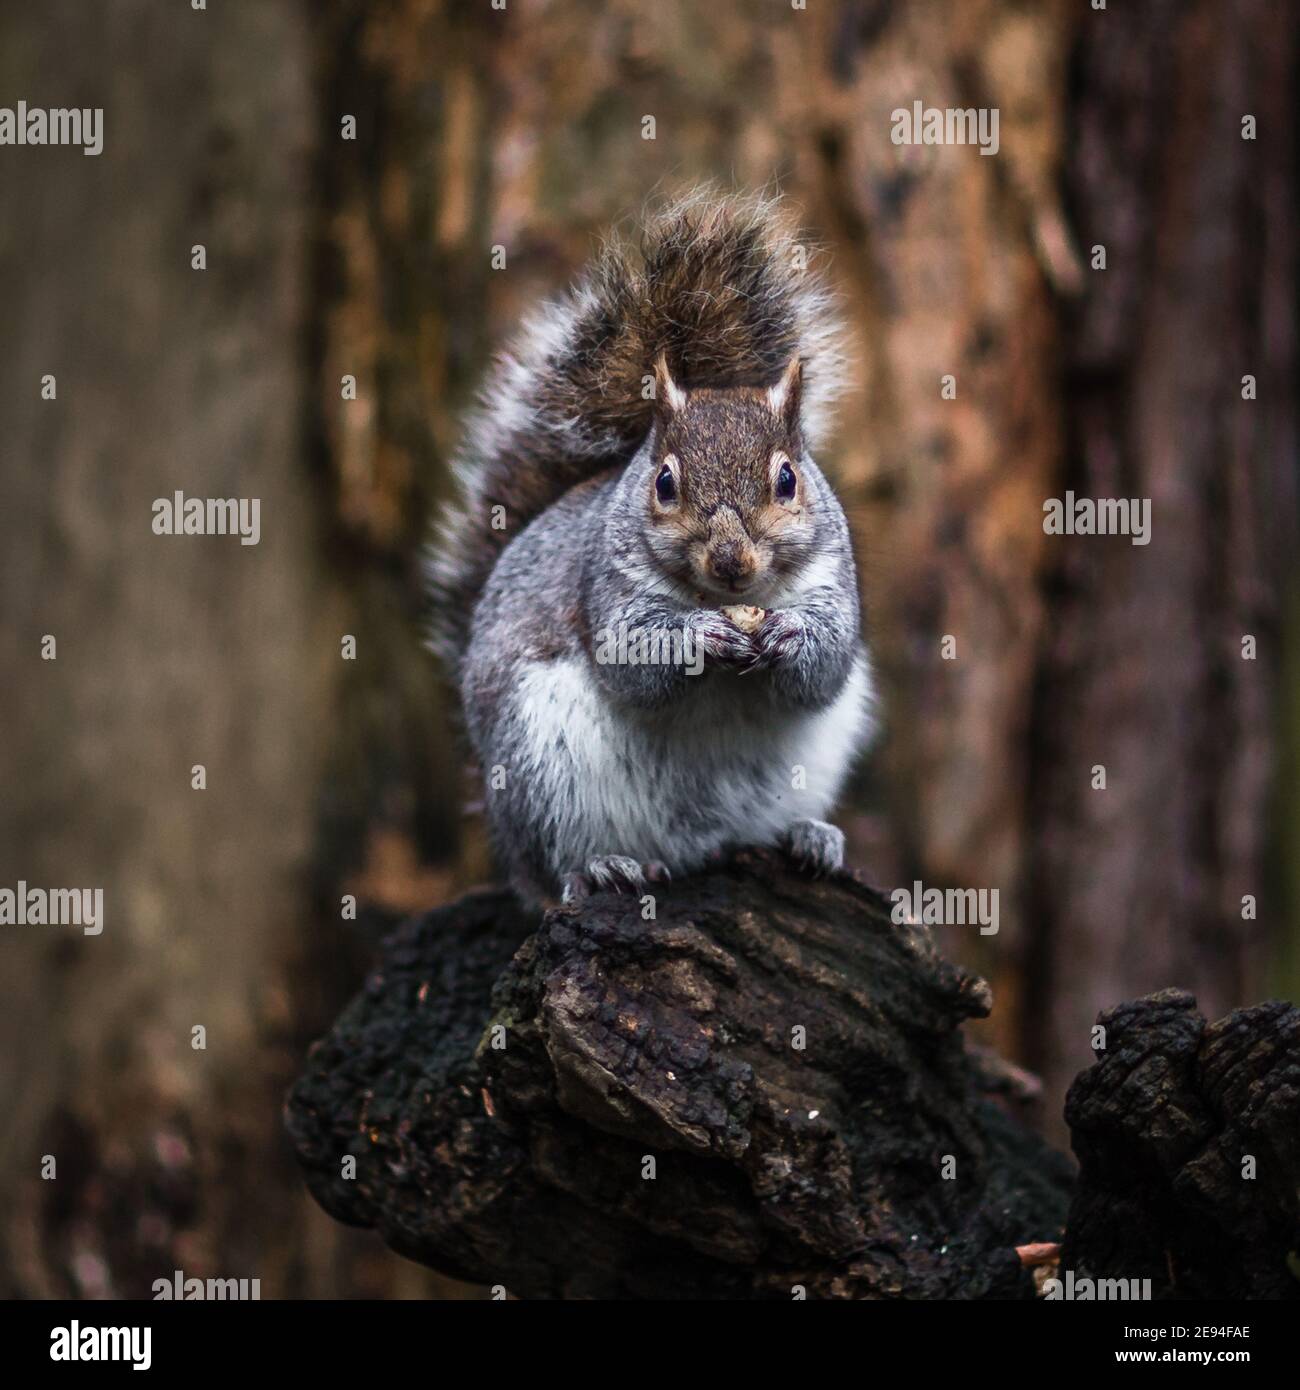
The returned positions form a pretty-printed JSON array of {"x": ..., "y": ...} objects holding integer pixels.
[{"x": 732, "y": 563}]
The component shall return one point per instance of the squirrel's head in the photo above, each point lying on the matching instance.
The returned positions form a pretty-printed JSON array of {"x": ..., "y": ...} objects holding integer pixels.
[{"x": 728, "y": 504}]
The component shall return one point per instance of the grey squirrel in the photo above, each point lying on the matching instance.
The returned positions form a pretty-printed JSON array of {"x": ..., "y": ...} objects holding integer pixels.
[{"x": 647, "y": 593}]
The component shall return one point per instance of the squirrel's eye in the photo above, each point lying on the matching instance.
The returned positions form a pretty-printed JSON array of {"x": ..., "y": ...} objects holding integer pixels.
[
  {"x": 785, "y": 483},
  {"x": 666, "y": 485}
]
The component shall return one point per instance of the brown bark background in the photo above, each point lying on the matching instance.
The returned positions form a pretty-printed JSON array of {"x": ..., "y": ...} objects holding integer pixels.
[
  {"x": 522, "y": 128},
  {"x": 1143, "y": 672}
]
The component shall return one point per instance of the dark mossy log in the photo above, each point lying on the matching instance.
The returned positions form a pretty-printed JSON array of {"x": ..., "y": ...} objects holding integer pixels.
[
  {"x": 1188, "y": 1137},
  {"x": 782, "y": 1057}
]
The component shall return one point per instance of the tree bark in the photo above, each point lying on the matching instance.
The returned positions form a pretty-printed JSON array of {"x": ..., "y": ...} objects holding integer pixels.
[
  {"x": 172, "y": 652},
  {"x": 1145, "y": 883},
  {"x": 760, "y": 1088},
  {"x": 1188, "y": 1137}
]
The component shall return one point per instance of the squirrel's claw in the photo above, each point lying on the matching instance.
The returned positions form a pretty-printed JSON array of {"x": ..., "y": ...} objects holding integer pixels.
[
  {"x": 815, "y": 846},
  {"x": 612, "y": 873},
  {"x": 776, "y": 641},
  {"x": 723, "y": 642}
]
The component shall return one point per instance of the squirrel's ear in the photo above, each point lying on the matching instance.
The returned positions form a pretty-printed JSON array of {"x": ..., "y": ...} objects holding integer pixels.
[
  {"x": 669, "y": 395},
  {"x": 784, "y": 396}
]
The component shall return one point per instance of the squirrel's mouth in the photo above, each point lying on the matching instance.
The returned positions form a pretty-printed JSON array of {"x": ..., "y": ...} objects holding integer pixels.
[
  {"x": 756, "y": 588},
  {"x": 728, "y": 589}
]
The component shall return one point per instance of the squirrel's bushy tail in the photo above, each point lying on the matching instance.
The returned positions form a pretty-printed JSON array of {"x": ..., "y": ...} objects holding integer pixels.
[{"x": 722, "y": 284}]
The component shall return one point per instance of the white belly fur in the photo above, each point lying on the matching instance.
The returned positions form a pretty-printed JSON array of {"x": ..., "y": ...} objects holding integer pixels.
[{"x": 677, "y": 785}]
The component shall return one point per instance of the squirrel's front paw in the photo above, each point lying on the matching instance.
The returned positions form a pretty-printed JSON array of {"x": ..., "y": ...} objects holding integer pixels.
[
  {"x": 815, "y": 846},
  {"x": 723, "y": 642},
  {"x": 778, "y": 641},
  {"x": 612, "y": 873}
]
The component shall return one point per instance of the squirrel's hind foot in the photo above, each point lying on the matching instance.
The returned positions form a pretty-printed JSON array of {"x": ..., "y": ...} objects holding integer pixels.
[
  {"x": 815, "y": 846},
  {"x": 613, "y": 873}
]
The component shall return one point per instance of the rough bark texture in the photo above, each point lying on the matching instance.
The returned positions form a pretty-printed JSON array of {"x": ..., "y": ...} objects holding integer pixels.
[
  {"x": 502, "y": 1084},
  {"x": 1188, "y": 1138}
]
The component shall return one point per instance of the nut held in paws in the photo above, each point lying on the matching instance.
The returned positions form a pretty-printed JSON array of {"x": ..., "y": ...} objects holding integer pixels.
[{"x": 745, "y": 616}]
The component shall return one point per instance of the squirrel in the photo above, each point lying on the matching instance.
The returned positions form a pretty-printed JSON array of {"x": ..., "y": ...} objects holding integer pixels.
[{"x": 646, "y": 593}]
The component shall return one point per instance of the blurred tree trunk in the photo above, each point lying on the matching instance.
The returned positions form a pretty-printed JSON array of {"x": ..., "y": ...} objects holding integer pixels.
[
  {"x": 955, "y": 263},
  {"x": 171, "y": 652},
  {"x": 1141, "y": 885}
]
